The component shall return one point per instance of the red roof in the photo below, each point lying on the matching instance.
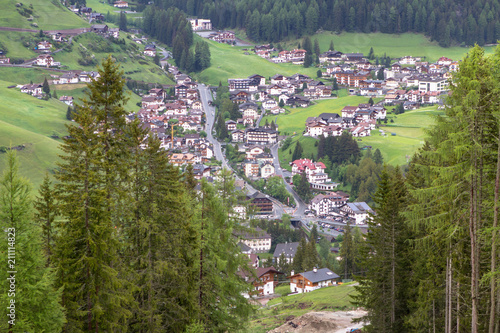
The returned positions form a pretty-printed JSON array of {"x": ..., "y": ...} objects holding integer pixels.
[{"x": 303, "y": 163}]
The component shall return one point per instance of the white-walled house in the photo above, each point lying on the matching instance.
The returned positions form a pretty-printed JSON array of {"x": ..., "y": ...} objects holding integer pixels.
[{"x": 312, "y": 280}]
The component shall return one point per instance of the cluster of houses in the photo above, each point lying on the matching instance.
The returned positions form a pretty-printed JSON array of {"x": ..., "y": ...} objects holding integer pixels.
[
  {"x": 89, "y": 14},
  {"x": 265, "y": 279},
  {"x": 225, "y": 36},
  {"x": 314, "y": 172},
  {"x": 254, "y": 90},
  {"x": 358, "y": 120},
  {"x": 335, "y": 205},
  {"x": 408, "y": 80}
]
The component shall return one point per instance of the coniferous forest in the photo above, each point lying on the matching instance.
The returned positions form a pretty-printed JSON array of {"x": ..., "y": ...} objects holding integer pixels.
[
  {"x": 445, "y": 21},
  {"x": 120, "y": 241},
  {"x": 432, "y": 257}
]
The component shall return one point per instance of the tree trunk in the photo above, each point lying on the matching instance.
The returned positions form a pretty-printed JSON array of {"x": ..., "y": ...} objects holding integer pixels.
[{"x": 494, "y": 247}]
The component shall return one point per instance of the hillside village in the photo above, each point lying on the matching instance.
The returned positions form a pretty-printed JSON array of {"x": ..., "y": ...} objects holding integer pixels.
[{"x": 182, "y": 116}]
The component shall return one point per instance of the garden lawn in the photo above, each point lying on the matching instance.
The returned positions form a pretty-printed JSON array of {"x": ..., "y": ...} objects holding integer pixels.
[
  {"x": 229, "y": 62},
  {"x": 336, "y": 298},
  {"x": 394, "y": 45},
  {"x": 27, "y": 120},
  {"x": 47, "y": 14}
]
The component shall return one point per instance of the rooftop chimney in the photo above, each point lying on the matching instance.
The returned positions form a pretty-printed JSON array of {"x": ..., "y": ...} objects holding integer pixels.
[
  {"x": 292, "y": 273},
  {"x": 315, "y": 270}
]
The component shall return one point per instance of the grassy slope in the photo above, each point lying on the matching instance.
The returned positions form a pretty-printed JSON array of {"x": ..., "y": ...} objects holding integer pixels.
[
  {"x": 12, "y": 41},
  {"x": 131, "y": 59},
  {"x": 27, "y": 120},
  {"x": 325, "y": 299},
  {"x": 393, "y": 45},
  {"x": 77, "y": 91},
  {"x": 295, "y": 121},
  {"x": 231, "y": 62},
  {"x": 49, "y": 15},
  {"x": 410, "y": 134}
]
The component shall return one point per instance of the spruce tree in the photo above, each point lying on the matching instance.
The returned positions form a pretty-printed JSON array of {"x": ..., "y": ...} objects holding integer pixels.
[
  {"x": 91, "y": 174},
  {"x": 221, "y": 305},
  {"x": 47, "y": 211},
  {"x": 384, "y": 289},
  {"x": 36, "y": 301},
  {"x": 45, "y": 86}
]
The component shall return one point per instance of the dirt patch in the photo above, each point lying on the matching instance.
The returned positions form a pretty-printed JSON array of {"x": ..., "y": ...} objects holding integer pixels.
[{"x": 318, "y": 322}]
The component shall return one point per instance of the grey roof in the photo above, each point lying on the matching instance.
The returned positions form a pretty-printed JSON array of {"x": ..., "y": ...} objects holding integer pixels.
[
  {"x": 359, "y": 207},
  {"x": 289, "y": 249},
  {"x": 244, "y": 247},
  {"x": 322, "y": 274}
]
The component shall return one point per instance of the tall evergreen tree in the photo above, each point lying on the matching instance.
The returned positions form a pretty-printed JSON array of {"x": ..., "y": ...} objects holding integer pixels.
[
  {"x": 90, "y": 175},
  {"x": 46, "y": 212},
  {"x": 384, "y": 289},
  {"x": 45, "y": 86},
  {"x": 35, "y": 300}
]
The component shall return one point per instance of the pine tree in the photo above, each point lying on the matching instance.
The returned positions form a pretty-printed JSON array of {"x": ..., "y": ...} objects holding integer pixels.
[
  {"x": 220, "y": 302},
  {"x": 297, "y": 152},
  {"x": 122, "y": 25},
  {"x": 90, "y": 175},
  {"x": 383, "y": 292},
  {"x": 54, "y": 95},
  {"x": 36, "y": 301},
  {"x": 45, "y": 86},
  {"x": 331, "y": 48},
  {"x": 47, "y": 211}
]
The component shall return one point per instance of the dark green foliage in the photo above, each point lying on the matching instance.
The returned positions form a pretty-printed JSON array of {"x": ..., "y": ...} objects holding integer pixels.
[
  {"x": 89, "y": 175},
  {"x": 383, "y": 292},
  {"x": 46, "y": 212},
  {"x": 201, "y": 56},
  {"x": 304, "y": 188},
  {"x": 123, "y": 22},
  {"x": 399, "y": 109},
  {"x": 37, "y": 303},
  {"x": 447, "y": 22},
  {"x": 45, "y": 86},
  {"x": 339, "y": 149},
  {"x": 319, "y": 74},
  {"x": 380, "y": 74},
  {"x": 377, "y": 157},
  {"x": 297, "y": 152},
  {"x": 171, "y": 27}
]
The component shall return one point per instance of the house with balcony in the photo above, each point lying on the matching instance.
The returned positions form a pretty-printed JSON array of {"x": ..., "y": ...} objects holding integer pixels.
[{"x": 312, "y": 280}]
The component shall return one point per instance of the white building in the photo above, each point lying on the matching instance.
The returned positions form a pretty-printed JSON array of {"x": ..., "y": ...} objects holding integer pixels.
[
  {"x": 312, "y": 280},
  {"x": 359, "y": 211}
]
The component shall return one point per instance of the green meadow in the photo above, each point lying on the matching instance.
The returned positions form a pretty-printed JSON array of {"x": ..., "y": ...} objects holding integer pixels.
[
  {"x": 294, "y": 122},
  {"x": 231, "y": 62},
  {"x": 336, "y": 298},
  {"x": 394, "y": 45},
  {"x": 12, "y": 44},
  {"x": 26, "y": 120},
  {"x": 77, "y": 91},
  {"x": 132, "y": 61},
  {"x": 409, "y": 128},
  {"x": 47, "y": 14}
]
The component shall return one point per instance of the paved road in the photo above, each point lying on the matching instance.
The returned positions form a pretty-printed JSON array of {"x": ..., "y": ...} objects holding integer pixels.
[
  {"x": 210, "y": 119},
  {"x": 301, "y": 205}
]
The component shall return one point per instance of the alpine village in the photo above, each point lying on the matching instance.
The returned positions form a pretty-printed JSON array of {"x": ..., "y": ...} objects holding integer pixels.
[{"x": 249, "y": 166}]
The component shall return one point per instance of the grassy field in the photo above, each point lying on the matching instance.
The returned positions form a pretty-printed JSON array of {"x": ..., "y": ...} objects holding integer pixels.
[
  {"x": 410, "y": 134},
  {"x": 132, "y": 61},
  {"x": 295, "y": 121},
  {"x": 326, "y": 299},
  {"x": 393, "y": 45},
  {"x": 21, "y": 75},
  {"x": 30, "y": 121},
  {"x": 77, "y": 92},
  {"x": 231, "y": 62},
  {"x": 12, "y": 43},
  {"x": 47, "y": 14}
]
